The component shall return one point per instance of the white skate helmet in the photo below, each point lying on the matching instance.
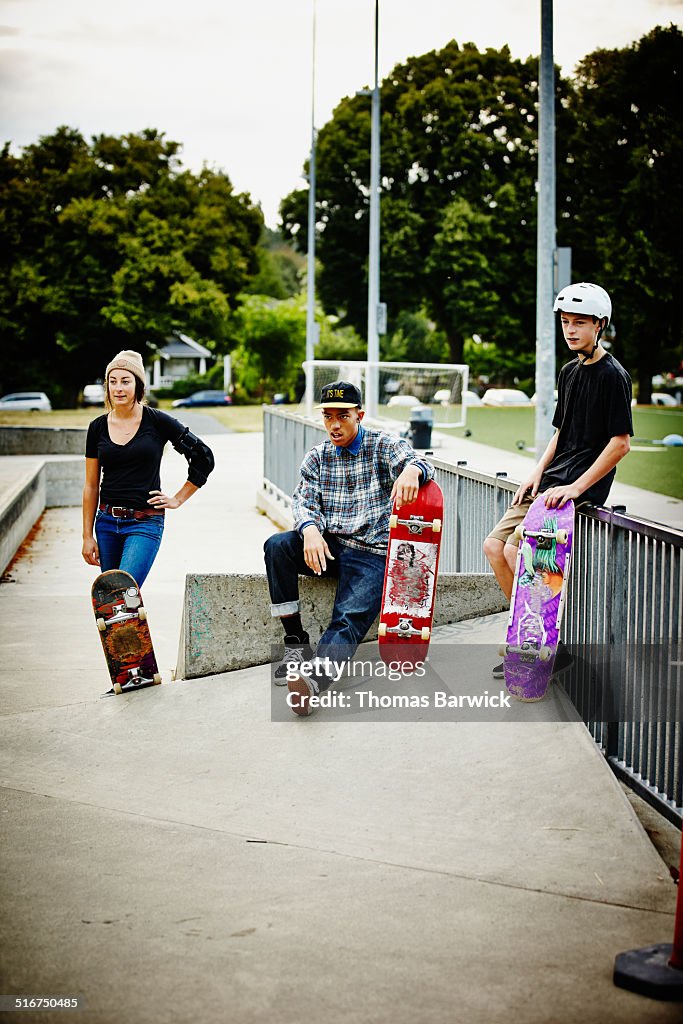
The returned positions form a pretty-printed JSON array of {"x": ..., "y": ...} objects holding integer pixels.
[{"x": 584, "y": 298}]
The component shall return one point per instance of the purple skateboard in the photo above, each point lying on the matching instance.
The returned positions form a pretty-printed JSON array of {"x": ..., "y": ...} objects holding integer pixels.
[{"x": 538, "y": 595}]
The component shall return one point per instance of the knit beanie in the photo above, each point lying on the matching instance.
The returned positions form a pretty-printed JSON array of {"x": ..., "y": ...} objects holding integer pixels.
[{"x": 128, "y": 360}]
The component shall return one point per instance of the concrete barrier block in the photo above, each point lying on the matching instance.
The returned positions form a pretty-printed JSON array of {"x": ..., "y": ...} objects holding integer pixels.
[
  {"x": 227, "y": 623},
  {"x": 42, "y": 440},
  {"x": 64, "y": 479}
]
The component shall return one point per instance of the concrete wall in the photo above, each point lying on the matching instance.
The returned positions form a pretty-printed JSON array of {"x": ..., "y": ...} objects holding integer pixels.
[
  {"x": 45, "y": 483},
  {"x": 42, "y": 440},
  {"x": 227, "y": 623},
  {"x": 20, "y": 508}
]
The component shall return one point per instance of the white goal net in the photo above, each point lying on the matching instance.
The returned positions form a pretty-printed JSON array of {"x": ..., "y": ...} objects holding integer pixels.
[{"x": 399, "y": 388}]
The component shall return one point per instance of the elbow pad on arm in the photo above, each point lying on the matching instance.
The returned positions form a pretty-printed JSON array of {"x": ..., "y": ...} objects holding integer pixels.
[{"x": 199, "y": 457}]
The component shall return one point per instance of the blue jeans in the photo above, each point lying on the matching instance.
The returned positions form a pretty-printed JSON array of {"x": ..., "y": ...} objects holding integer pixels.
[
  {"x": 359, "y": 590},
  {"x": 128, "y": 544}
]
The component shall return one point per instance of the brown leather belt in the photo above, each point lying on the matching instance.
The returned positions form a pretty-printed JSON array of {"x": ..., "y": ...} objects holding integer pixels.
[{"x": 130, "y": 513}]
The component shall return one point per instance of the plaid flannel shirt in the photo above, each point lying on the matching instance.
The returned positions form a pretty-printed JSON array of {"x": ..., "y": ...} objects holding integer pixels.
[{"x": 349, "y": 494}]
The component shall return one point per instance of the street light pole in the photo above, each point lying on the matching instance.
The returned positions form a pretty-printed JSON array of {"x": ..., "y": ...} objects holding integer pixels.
[
  {"x": 311, "y": 326},
  {"x": 371, "y": 385},
  {"x": 545, "y": 239}
]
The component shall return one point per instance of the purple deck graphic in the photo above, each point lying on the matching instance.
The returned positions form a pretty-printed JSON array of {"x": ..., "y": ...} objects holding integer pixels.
[{"x": 538, "y": 595}]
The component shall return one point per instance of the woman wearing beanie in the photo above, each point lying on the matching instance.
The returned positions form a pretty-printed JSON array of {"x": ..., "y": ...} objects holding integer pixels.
[{"x": 122, "y": 498}]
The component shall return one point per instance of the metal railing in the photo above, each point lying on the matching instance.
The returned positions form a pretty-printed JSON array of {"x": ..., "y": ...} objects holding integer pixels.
[{"x": 625, "y": 597}]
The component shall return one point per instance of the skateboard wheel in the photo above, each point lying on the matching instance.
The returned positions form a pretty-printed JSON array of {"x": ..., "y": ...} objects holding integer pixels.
[
  {"x": 436, "y": 526},
  {"x": 142, "y": 615},
  {"x": 156, "y": 678},
  {"x": 502, "y": 650},
  {"x": 561, "y": 536},
  {"x": 102, "y": 625},
  {"x": 545, "y": 653},
  {"x": 393, "y": 522},
  {"x": 382, "y": 629},
  {"x": 519, "y": 531},
  {"x": 426, "y": 633},
  {"x": 117, "y": 688}
]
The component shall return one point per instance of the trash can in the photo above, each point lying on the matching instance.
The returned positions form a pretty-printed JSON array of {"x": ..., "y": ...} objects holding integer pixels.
[{"x": 420, "y": 426}]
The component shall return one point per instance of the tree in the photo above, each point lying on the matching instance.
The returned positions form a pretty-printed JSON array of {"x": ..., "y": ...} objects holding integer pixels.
[
  {"x": 112, "y": 245},
  {"x": 621, "y": 207},
  {"x": 270, "y": 339},
  {"x": 458, "y": 173}
]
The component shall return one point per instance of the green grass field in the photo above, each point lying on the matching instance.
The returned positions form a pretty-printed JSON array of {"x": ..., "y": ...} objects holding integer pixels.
[
  {"x": 242, "y": 418},
  {"x": 653, "y": 468}
]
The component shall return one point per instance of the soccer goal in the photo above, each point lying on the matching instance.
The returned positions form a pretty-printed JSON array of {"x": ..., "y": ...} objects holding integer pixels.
[{"x": 399, "y": 387}]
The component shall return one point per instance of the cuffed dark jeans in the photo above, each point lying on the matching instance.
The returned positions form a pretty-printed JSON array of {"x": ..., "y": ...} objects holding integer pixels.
[{"x": 360, "y": 576}]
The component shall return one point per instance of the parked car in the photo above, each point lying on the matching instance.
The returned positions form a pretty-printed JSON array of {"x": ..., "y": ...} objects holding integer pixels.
[
  {"x": 662, "y": 398},
  {"x": 533, "y": 397},
  {"x": 504, "y": 396},
  {"x": 443, "y": 396},
  {"x": 407, "y": 400},
  {"x": 93, "y": 394},
  {"x": 203, "y": 398},
  {"x": 23, "y": 401}
]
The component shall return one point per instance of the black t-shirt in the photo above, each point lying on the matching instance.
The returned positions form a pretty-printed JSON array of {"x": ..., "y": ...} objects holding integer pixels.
[
  {"x": 593, "y": 406},
  {"x": 130, "y": 471}
]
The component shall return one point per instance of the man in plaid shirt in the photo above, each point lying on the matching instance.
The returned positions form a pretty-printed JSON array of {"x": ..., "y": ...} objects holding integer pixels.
[{"x": 341, "y": 512}]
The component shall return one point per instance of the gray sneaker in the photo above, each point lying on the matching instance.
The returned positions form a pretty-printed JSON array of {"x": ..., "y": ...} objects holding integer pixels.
[{"x": 295, "y": 653}]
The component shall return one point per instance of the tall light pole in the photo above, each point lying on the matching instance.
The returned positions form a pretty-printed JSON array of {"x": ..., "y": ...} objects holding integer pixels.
[
  {"x": 545, "y": 238},
  {"x": 371, "y": 385},
  {"x": 311, "y": 326}
]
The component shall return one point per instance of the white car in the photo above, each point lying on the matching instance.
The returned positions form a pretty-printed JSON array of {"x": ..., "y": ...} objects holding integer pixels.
[
  {"x": 93, "y": 394},
  {"x": 407, "y": 400},
  {"x": 443, "y": 397},
  {"x": 533, "y": 397},
  {"x": 26, "y": 401},
  {"x": 662, "y": 398},
  {"x": 504, "y": 396}
]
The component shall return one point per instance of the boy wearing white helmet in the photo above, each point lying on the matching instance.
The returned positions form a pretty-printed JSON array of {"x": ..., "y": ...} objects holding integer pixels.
[{"x": 592, "y": 421}]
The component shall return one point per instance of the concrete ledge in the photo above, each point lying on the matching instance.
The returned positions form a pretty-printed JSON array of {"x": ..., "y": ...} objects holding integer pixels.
[
  {"x": 276, "y": 505},
  {"x": 39, "y": 484},
  {"x": 20, "y": 507},
  {"x": 42, "y": 440},
  {"x": 227, "y": 623}
]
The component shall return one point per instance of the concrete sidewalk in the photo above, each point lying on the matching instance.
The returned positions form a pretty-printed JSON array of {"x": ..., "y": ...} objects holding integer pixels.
[{"x": 177, "y": 854}]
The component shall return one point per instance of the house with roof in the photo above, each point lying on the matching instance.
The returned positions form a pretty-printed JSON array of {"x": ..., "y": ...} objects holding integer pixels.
[{"x": 179, "y": 357}]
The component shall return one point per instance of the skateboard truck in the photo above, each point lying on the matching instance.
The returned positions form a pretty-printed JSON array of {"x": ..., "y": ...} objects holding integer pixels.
[
  {"x": 529, "y": 651},
  {"x": 129, "y": 608},
  {"x": 544, "y": 538},
  {"x": 415, "y": 524},
  {"x": 404, "y": 628}
]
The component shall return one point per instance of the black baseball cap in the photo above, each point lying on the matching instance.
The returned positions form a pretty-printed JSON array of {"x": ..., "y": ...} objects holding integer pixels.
[{"x": 340, "y": 394}]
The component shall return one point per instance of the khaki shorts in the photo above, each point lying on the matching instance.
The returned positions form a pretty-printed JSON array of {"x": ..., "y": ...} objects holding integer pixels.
[{"x": 504, "y": 530}]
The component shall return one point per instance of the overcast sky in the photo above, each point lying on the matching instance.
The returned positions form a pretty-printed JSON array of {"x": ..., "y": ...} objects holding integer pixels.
[{"x": 231, "y": 79}]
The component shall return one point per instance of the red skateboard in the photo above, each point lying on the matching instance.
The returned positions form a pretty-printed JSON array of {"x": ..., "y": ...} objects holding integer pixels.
[
  {"x": 407, "y": 610},
  {"x": 538, "y": 596},
  {"x": 122, "y": 621}
]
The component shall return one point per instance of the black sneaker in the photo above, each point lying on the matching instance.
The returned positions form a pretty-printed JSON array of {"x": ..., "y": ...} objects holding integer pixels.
[
  {"x": 498, "y": 672},
  {"x": 296, "y": 651},
  {"x": 306, "y": 686}
]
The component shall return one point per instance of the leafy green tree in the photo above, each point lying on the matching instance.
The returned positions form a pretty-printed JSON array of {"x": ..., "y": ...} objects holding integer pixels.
[
  {"x": 458, "y": 175},
  {"x": 281, "y": 268},
  {"x": 621, "y": 204},
  {"x": 112, "y": 245},
  {"x": 269, "y": 338}
]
